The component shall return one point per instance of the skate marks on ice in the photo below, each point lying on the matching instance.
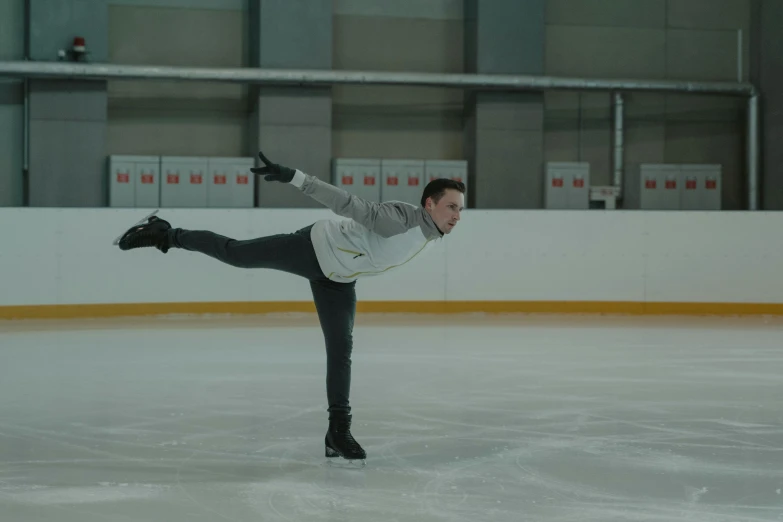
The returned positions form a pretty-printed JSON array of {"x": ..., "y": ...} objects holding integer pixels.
[
  {"x": 637, "y": 431},
  {"x": 539, "y": 424},
  {"x": 575, "y": 427}
]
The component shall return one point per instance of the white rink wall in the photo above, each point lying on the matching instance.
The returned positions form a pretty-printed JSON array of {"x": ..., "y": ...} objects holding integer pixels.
[{"x": 65, "y": 256}]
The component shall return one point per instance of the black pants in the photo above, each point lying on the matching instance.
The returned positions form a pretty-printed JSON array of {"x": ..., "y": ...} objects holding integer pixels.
[{"x": 294, "y": 253}]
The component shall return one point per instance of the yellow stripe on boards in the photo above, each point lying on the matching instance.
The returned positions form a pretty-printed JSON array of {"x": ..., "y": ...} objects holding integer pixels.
[{"x": 79, "y": 311}]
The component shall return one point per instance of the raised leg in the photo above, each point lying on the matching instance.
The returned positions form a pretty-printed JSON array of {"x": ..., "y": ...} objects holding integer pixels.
[{"x": 291, "y": 253}]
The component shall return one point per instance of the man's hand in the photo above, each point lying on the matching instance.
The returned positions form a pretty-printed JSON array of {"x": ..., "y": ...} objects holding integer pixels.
[{"x": 273, "y": 171}]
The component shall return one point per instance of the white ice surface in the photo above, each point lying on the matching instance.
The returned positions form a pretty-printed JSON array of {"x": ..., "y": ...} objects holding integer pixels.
[{"x": 464, "y": 419}]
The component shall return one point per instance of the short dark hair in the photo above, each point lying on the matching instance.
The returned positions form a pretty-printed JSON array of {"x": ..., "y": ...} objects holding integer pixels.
[{"x": 437, "y": 188}]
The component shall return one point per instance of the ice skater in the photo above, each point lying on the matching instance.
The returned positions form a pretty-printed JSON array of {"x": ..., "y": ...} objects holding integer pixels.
[{"x": 331, "y": 255}]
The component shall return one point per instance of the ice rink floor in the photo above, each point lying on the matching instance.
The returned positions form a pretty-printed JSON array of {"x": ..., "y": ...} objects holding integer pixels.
[{"x": 473, "y": 418}]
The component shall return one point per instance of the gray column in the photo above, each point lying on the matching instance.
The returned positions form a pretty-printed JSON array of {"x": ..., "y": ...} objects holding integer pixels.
[
  {"x": 504, "y": 135},
  {"x": 11, "y": 106},
  {"x": 292, "y": 125},
  {"x": 766, "y": 69},
  {"x": 67, "y": 118}
]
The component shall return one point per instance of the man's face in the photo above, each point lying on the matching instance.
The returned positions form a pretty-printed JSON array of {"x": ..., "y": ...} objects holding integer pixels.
[{"x": 446, "y": 212}]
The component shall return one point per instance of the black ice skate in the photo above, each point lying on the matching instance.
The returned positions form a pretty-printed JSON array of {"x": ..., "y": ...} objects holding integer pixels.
[
  {"x": 340, "y": 443},
  {"x": 149, "y": 232}
]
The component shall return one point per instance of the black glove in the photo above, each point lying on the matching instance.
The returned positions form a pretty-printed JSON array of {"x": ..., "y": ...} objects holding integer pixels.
[{"x": 273, "y": 171}]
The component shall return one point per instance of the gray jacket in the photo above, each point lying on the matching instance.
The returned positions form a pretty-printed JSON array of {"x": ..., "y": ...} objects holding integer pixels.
[{"x": 378, "y": 237}]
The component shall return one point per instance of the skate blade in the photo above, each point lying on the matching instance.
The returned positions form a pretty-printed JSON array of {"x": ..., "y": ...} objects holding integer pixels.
[
  {"x": 139, "y": 222},
  {"x": 341, "y": 463}
]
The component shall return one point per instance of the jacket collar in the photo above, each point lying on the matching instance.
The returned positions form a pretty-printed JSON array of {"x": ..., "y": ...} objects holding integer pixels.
[{"x": 431, "y": 231}]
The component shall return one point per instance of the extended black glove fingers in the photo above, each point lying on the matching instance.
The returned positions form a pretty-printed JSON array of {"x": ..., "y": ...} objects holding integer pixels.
[
  {"x": 273, "y": 171},
  {"x": 264, "y": 159}
]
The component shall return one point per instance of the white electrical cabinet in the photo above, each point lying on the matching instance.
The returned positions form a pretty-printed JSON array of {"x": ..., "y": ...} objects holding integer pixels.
[
  {"x": 567, "y": 185},
  {"x": 183, "y": 182},
  {"x": 134, "y": 181},
  {"x": 701, "y": 187},
  {"x": 148, "y": 182},
  {"x": 122, "y": 181},
  {"x": 230, "y": 183},
  {"x": 450, "y": 169},
  {"x": 361, "y": 177},
  {"x": 659, "y": 186},
  {"x": 679, "y": 187},
  {"x": 401, "y": 180}
]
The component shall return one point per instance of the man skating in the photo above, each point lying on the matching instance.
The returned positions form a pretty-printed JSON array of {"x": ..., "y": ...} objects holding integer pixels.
[{"x": 331, "y": 255}]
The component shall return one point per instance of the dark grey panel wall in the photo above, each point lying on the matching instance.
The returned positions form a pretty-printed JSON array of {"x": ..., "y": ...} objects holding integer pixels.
[
  {"x": 605, "y": 52},
  {"x": 645, "y": 140},
  {"x": 577, "y": 127},
  {"x": 11, "y": 105},
  {"x": 506, "y": 151},
  {"x": 607, "y": 13},
  {"x": 295, "y": 34},
  {"x": 658, "y": 129},
  {"x": 649, "y": 39},
  {"x": 67, "y": 118},
  {"x": 704, "y": 14},
  {"x": 54, "y": 24},
  {"x": 593, "y": 38},
  {"x": 177, "y": 118},
  {"x": 292, "y": 125},
  {"x": 397, "y": 121},
  {"x": 509, "y": 36},
  {"x": 67, "y": 143},
  {"x": 505, "y": 139},
  {"x": 11, "y": 143},
  {"x": 768, "y": 75}
]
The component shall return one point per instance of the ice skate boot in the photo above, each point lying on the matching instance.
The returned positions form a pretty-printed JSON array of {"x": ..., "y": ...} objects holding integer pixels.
[
  {"x": 340, "y": 443},
  {"x": 149, "y": 232}
]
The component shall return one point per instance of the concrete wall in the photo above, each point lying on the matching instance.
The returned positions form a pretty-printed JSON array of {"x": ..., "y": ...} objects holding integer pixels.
[
  {"x": 67, "y": 117},
  {"x": 291, "y": 124},
  {"x": 504, "y": 130},
  {"x": 767, "y": 74},
  {"x": 658, "y": 39},
  {"x": 177, "y": 118},
  {"x": 11, "y": 105},
  {"x": 398, "y": 122},
  {"x": 54, "y": 23},
  {"x": 674, "y": 39},
  {"x": 211, "y": 119}
]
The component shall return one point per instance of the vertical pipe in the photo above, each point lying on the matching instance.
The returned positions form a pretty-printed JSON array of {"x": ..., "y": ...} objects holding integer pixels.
[
  {"x": 26, "y": 123},
  {"x": 26, "y": 111},
  {"x": 753, "y": 151},
  {"x": 739, "y": 55},
  {"x": 618, "y": 141}
]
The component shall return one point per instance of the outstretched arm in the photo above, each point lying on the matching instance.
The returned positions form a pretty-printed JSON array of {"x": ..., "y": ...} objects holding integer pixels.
[{"x": 386, "y": 219}]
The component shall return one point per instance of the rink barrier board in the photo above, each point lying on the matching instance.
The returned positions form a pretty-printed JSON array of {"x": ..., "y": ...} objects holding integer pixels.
[
  {"x": 631, "y": 262},
  {"x": 89, "y": 311}
]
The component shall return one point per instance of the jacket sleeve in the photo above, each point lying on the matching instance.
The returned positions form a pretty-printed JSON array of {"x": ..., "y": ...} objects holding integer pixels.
[{"x": 385, "y": 219}]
